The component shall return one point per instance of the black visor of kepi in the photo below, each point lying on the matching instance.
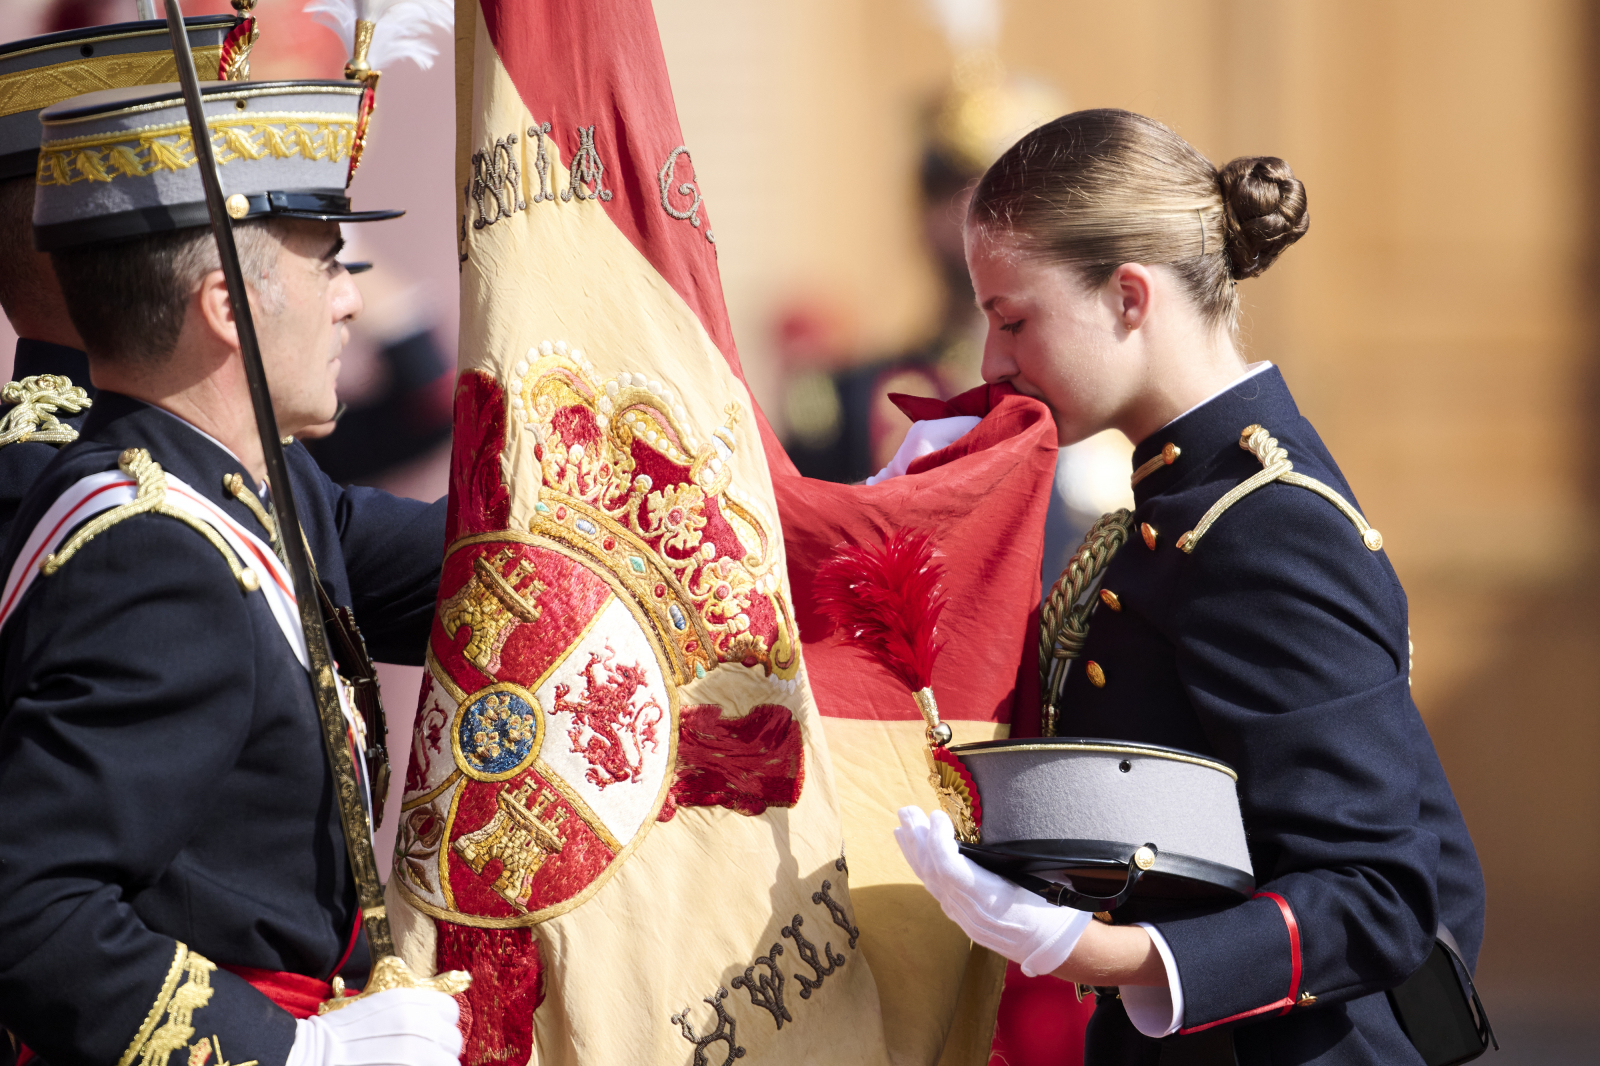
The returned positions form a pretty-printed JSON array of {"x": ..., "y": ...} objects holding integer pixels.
[
  {"x": 40, "y": 71},
  {"x": 120, "y": 164}
]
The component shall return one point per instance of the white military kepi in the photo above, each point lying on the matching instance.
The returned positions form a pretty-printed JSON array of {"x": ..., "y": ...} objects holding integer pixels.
[
  {"x": 119, "y": 164},
  {"x": 40, "y": 71},
  {"x": 1103, "y": 822}
]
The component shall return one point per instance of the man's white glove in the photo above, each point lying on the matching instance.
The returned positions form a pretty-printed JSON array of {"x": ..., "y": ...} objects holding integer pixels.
[
  {"x": 925, "y": 438},
  {"x": 401, "y": 1027},
  {"x": 991, "y": 910}
]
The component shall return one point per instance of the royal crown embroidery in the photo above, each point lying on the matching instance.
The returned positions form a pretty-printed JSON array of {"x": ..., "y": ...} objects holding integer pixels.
[{"x": 623, "y": 470}]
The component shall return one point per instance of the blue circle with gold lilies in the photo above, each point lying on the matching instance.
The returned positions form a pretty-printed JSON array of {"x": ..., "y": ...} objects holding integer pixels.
[{"x": 497, "y": 732}]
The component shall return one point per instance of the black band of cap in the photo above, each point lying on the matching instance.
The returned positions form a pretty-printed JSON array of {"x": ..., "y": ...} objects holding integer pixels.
[{"x": 321, "y": 205}]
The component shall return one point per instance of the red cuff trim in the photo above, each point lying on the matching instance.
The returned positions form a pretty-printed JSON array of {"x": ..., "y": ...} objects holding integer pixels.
[
  {"x": 1282, "y": 1006},
  {"x": 1294, "y": 945}
]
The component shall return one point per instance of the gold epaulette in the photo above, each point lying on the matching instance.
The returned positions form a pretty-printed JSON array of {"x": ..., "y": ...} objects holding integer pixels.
[
  {"x": 1275, "y": 466},
  {"x": 38, "y": 399},
  {"x": 150, "y": 499}
]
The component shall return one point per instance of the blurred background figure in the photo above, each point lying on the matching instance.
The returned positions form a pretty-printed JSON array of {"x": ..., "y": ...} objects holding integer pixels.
[
  {"x": 839, "y": 424},
  {"x": 395, "y": 387}
]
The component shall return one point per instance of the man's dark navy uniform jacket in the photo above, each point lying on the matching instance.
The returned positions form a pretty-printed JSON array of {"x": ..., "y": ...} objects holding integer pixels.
[
  {"x": 162, "y": 769},
  {"x": 22, "y": 463},
  {"x": 1280, "y": 645}
]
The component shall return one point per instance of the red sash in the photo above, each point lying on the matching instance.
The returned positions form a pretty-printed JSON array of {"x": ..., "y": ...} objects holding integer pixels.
[{"x": 296, "y": 993}]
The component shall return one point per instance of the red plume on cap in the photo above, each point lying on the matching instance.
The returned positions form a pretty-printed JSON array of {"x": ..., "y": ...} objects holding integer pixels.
[{"x": 886, "y": 602}]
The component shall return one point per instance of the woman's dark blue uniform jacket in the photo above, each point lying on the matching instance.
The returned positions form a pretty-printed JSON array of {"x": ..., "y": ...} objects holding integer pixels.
[
  {"x": 1281, "y": 646},
  {"x": 162, "y": 773}
]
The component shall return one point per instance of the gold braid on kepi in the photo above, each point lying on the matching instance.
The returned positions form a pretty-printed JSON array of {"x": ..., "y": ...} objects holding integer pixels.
[
  {"x": 42, "y": 71},
  {"x": 1275, "y": 466},
  {"x": 1064, "y": 622},
  {"x": 151, "y": 498},
  {"x": 38, "y": 400}
]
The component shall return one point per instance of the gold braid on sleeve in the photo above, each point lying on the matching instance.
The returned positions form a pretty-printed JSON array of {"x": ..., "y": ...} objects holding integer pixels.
[
  {"x": 1275, "y": 466},
  {"x": 1064, "y": 622},
  {"x": 185, "y": 991},
  {"x": 150, "y": 499},
  {"x": 38, "y": 400}
]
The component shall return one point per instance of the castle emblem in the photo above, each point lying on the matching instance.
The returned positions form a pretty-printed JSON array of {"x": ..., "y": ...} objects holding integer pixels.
[
  {"x": 499, "y": 597},
  {"x": 520, "y": 837}
]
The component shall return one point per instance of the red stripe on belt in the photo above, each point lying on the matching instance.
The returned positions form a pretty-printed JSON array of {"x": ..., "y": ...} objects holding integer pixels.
[{"x": 1282, "y": 1006}]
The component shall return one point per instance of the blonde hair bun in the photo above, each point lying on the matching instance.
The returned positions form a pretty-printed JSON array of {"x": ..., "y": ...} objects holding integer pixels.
[{"x": 1264, "y": 211}]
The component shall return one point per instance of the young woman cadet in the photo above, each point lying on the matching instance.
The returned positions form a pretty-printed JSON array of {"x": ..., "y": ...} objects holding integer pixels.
[{"x": 1257, "y": 623}]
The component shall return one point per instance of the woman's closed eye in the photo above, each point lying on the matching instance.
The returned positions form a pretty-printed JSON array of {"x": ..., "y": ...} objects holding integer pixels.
[{"x": 1013, "y": 328}]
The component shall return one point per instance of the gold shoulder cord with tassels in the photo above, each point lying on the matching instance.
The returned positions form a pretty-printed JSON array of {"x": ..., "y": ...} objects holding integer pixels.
[
  {"x": 1275, "y": 466},
  {"x": 151, "y": 499},
  {"x": 38, "y": 400}
]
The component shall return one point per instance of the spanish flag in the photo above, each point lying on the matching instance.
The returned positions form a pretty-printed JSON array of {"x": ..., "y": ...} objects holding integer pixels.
[{"x": 625, "y": 813}]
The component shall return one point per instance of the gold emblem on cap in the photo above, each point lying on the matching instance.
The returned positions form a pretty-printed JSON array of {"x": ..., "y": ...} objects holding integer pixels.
[
  {"x": 1109, "y": 598},
  {"x": 238, "y": 206},
  {"x": 1097, "y": 676},
  {"x": 1148, "y": 532},
  {"x": 1144, "y": 858}
]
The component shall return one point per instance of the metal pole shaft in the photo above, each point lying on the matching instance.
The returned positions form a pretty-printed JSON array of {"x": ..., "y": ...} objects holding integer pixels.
[
  {"x": 352, "y": 811},
  {"x": 145, "y": 10}
]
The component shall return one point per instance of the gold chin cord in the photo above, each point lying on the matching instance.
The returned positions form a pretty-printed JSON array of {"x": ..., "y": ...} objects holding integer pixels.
[{"x": 353, "y": 816}]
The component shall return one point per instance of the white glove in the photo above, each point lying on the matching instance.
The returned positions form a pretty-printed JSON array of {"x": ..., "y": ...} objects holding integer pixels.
[
  {"x": 401, "y": 1027},
  {"x": 925, "y": 438},
  {"x": 991, "y": 910}
]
